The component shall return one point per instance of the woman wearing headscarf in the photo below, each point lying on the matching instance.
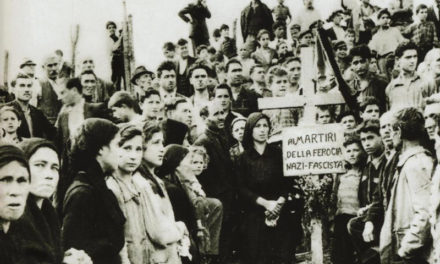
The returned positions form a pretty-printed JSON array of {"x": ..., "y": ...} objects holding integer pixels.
[
  {"x": 14, "y": 190},
  {"x": 92, "y": 219},
  {"x": 206, "y": 212},
  {"x": 166, "y": 235},
  {"x": 270, "y": 228},
  {"x": 39, "y": 227}
]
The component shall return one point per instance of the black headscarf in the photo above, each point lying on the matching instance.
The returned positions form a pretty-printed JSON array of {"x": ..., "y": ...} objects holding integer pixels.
[
  {"x": 175, "y": 132},
  {"x": 174, "y": 154},
  {"x": 31, "y": 145},
  {"x": 248, "y": 141},
  {"x": 10, "y": 153}
]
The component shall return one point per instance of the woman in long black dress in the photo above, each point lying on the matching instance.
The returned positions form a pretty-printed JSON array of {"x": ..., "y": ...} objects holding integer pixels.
[{"x": 270, "y": 225}]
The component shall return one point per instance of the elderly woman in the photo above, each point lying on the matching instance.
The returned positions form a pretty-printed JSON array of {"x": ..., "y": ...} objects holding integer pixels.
[{"x": 14, "y": 190}]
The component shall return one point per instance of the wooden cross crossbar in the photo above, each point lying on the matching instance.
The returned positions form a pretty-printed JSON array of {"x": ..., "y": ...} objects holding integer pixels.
[{"x": 297, "y": 101}]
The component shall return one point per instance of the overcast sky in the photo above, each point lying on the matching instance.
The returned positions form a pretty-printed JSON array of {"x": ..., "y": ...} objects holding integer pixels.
[{"x": 33, "y": 28}]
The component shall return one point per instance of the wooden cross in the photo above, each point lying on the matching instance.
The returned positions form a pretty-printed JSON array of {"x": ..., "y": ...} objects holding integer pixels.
[{"x": 309, "y": 101}]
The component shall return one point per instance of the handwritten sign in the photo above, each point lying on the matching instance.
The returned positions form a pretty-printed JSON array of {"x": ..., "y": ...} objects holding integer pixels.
[{"x": 314, "y": 149}]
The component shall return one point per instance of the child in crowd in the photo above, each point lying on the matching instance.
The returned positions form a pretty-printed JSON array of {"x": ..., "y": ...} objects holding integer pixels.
[
  {"x": 264, "y": 55},
  {"x": 323, "y": 115},
  {"x": 278, "y": 82},
  {"x": 169, "y": 51},
  {"x": 345, "y": 195},
  {"x": 9, "y": 124},
  {"x": 369, "y": 108},
  {"x": 348, "y": 120},
  {"x": 350, "y": 38}
]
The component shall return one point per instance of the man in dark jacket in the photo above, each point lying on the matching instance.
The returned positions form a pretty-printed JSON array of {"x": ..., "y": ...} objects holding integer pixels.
[
  {"x": 254, "y": 17},
  {"x": 196, "y": 14},
  {"x": 217, "y": 179},
  {"x": 34, "y": 122},
  {"x": 75, "y": 111},
  {"x": 183, "y": 64},
  {"x": 244, "y": 101},
  {"x": 48, "y": 101}
]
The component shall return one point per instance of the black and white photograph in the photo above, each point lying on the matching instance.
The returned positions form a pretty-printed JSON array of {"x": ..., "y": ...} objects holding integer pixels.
[{"x": 219, "y": 132}]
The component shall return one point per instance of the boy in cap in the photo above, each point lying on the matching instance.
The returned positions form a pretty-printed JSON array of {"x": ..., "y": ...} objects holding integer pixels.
[{"x": 306, "y": 38}]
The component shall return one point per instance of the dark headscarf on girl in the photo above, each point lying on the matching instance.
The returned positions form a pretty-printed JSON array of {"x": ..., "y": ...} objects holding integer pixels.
[
  {"x": 31, "y": 145},
  {"x": 175, "y": 132},
  {"x": 248, "y": 141},
  {"x": 93, "y": 134},
  {"x": 174, "y": 154}
]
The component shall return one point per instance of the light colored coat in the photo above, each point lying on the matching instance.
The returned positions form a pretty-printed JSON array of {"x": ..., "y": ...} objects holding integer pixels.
[
  {"x": 435, "y": 216},
  {"x": 406, "y": 225}
]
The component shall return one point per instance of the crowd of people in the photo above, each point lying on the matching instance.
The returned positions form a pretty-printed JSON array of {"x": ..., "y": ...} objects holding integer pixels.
[{"x": 185, "y": 168}]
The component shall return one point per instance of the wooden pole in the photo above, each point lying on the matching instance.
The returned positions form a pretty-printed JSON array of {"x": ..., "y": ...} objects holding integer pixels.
[
  {"x": 307, "y": 74},
  {"x": 74, "y": 36},
  {"x": 127, "y": 41},
  {"x": 6, "y": 71}
]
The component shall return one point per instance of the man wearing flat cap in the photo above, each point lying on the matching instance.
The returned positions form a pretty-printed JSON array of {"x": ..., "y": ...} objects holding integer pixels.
[
  {"x": 142, "y": 80},
  {"x": 27, "y": 66}
]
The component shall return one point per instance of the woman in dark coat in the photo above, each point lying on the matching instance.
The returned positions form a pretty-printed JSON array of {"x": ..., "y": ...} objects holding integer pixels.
[
  {"x": 14, "y": 190},
  {"x": 271, "y": 225},
  {"x": 198, "y": 12},
  {"x": 92, "y": 218},
  {"x": 39, "y": 227}
]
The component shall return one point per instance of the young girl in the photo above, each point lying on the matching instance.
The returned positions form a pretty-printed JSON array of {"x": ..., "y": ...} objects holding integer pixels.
[
  {"x": 9, "y": 123},
  {"x": 129, "y": 196},
  {"x": 168, "y": 239},
  {"x": 346, "y": 197}
]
